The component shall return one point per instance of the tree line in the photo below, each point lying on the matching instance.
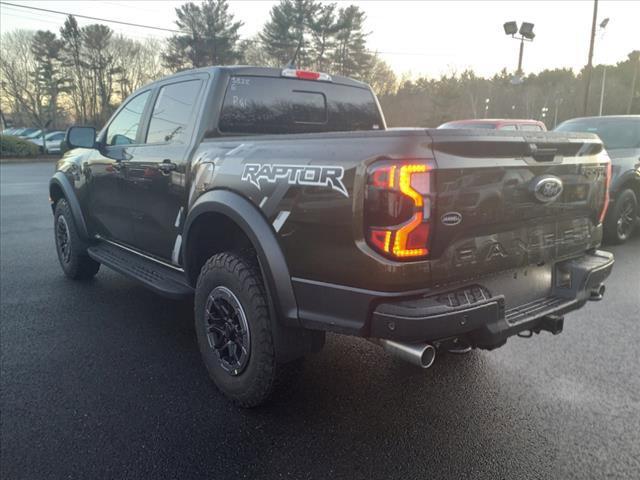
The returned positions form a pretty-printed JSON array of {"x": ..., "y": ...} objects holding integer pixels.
[
  {"x": 551, "y": 96},
  {"x": 81, "y": 74}
]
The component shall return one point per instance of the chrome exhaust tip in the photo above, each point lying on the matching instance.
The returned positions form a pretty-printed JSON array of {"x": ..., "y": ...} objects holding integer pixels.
[
  {"x": 420, "y": 354},
  {"x": 597, "y": 293}
]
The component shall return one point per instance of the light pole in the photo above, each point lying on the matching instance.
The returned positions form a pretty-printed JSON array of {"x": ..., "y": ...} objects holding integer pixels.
[
  {"x": 486, "y": 106},
  {"x": 526, "y": 34},
  {"x": 603, "y": 25},
  {"x": 543, "y": 113}
]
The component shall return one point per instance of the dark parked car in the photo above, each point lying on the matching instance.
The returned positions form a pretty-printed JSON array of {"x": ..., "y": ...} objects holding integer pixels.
[
  {"x": 280, "y": 202},
  {"x": 621, "y": 137},
  {"x": 498, "y": 124}
]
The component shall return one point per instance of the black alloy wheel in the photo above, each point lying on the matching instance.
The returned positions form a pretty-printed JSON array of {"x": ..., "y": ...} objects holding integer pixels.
[
  {"x": 227, "y": 330},
  {"x": 626, "y": 219},
  {"x": 63, "y": 239}
]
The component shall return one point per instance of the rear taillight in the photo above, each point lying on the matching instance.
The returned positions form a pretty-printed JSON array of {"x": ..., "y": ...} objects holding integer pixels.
[
  {"x": 607, "y": 182},
  {"x": 398, "y": 207}
]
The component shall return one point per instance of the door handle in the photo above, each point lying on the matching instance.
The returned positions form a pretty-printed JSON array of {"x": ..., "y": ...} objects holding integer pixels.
[{"x": 167, "y": 166}]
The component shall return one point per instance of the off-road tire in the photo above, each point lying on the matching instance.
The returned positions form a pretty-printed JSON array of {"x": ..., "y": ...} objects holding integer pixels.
[
  {"x": 75, "y": 262},
  {"x": 241, "y": 275},
  {"x": 612, "y": 230}
]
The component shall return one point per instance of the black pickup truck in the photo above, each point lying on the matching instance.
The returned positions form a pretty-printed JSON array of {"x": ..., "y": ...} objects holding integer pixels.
[{"x": 282, "y": 204}]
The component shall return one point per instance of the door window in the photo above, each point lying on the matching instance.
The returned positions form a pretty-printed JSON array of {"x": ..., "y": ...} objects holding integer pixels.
[
  {"x": 123, "y": 129},
  {"x": 174, "y": 112},
  {"x": 507, "y": 127}
]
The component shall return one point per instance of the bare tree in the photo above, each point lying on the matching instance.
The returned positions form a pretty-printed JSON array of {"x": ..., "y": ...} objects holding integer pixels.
[
  {"x": 21, "y": 93},
  {"x": 135, "y": 63}
]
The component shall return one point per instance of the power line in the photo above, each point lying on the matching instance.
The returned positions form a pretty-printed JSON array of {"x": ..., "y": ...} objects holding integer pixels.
[
  {"x": 58, "y": 12},
  {"x": 171, "y": 30},
  {"x": 45, "y": 19}
]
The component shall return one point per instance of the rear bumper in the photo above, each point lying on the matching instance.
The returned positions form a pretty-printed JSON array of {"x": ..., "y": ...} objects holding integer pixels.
[{"x": 484, "y": 313}]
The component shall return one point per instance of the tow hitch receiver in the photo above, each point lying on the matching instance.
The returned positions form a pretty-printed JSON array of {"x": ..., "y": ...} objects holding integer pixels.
[{"x": 551, "y": 323}]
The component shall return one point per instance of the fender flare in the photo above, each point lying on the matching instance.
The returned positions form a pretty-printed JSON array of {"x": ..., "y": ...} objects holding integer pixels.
[
  {"x": 60, "y": 180},
  {"x": 254, "y": 225}
]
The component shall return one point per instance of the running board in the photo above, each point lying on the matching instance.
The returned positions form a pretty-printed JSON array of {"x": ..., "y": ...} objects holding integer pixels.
[{"x": 159, "y": 278}]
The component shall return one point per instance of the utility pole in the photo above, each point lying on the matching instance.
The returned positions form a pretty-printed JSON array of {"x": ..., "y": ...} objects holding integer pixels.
[
  {"x": 590, "y": 62},
  {"x": 604, "y": 80},
  {"x": 634, "y": 57},
  {"x": 603, "y": 25}
]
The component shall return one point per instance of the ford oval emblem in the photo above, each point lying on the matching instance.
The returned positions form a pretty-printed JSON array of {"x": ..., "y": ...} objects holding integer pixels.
[
  {"x": 547, "y": 189},
  {"x": 451, "y": 218}
]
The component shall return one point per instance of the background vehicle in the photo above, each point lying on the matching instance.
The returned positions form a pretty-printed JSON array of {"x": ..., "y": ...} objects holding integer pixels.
[
  {"x": 53, "y": 139},
  {"x": 33, "y": 135},
  {"x": 621, "y": 137},
  {"x": 16, "y": 132},
  {"x": 279, "y": 199},
  {"x": 498, "y": 124},
  {"x": 25, "y": 132}
]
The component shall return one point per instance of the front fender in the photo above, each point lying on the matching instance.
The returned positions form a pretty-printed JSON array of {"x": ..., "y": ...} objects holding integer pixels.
[
  {"x": 60, "y": 180},
  {"x": 264, "y": 240}
]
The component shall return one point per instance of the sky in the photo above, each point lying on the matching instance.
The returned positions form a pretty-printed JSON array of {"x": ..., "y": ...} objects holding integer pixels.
[{"x": 417, "y": 38}]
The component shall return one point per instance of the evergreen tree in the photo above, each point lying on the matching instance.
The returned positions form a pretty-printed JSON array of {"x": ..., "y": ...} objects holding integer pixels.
[
  {"x": 71, "y": 57},
  {"x": 351, "y": 57},
  {"x": 98, "y": 60},
  {"x": 323, "y": 29},
  {"x": 287, "y": 32},
  {"x": 211, "y": 36}
]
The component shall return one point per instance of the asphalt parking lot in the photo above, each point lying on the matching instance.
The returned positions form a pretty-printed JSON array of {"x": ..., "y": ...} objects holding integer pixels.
[{"x": 104, "y": 380}]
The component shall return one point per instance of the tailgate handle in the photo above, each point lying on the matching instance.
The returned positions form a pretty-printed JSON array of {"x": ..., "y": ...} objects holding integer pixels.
[
  {"x": 542, "y": 154},
  {"x": 167, "y": 166}
]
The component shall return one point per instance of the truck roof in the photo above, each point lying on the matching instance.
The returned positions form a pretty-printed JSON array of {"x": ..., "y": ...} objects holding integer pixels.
[{"x": 249, "y": 70}]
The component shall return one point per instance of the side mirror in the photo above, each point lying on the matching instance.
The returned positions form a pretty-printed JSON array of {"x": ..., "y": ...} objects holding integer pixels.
[{"x": 81, "y": 137}]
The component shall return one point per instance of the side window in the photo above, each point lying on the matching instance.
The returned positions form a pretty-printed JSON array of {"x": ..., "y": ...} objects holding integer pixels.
[
  {"x": 123, "y": 128},
  {"x": 507, "y": 127},
  {"x": 530, "y": 127},
  {"x": 174, "y": 112}
]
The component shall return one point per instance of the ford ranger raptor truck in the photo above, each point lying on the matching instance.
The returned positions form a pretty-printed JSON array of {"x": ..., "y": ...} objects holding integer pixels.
[{"x": 279, "y": 201}]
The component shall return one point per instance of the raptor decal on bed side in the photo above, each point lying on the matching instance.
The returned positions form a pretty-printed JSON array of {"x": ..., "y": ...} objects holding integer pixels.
[{"x": 307, "y": 175}]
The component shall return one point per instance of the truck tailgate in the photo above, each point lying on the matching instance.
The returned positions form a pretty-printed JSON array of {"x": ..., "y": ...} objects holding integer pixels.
[{"x": 510, "y": 199}]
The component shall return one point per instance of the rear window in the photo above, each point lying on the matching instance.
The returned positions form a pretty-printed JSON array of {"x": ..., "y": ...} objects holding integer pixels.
[
  {"x": 614, "y": 132},
  {"x": 280, "y": 105}
]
